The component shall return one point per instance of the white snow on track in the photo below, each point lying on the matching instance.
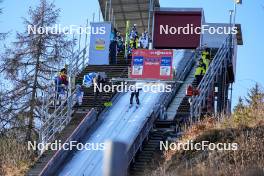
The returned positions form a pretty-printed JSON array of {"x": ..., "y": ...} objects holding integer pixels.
[{"x": 118, "y": 124}]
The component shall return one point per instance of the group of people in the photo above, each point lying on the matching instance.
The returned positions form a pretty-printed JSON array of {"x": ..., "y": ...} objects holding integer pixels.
[
  {"x": 116, "y": 45},
  {"x": 61, "y": 88},
  {"x": 203, "y": 65},
  {"x": 95, "y": 79},
  {"x": 135, "y": 41}
]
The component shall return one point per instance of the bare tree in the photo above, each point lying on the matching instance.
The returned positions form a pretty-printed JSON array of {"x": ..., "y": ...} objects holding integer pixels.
[
  {"x": 29, "y": 62},
  {"x": 2, "y": 35}
]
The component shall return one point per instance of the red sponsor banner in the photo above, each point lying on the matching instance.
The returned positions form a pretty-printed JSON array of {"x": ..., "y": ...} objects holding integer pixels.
[
  {"x": 152, "y": 64},
  {"x": 176, "y": 29}
]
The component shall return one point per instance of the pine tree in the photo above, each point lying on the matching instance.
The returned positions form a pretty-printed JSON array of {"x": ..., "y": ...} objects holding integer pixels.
[
  {"x": 240, "y": 105},
  {"x": 255, "y": 96},
  {"x": 29, "y": 62}
]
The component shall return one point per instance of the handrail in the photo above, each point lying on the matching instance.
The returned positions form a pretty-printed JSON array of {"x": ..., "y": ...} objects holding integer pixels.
[
  {"x": 204, "y": 86},
  {"x": 79, "y": 63},
  {"x": 56, "y": 121},
  {"x": 168, "y": 97},
  {"x": 52, "y": 166},
  {"x": 164, "y": 100}
]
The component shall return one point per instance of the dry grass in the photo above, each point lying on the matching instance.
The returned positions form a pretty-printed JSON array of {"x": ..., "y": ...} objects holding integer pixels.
[
  {"x": 245, "y": 127},
  {"x": 15, "y": 158}
]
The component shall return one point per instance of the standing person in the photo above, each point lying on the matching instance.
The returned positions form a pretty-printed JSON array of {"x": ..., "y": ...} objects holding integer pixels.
[
  {"x": 58, "y": 90},
  {"x": 134, "y": 38},
  {"x": 79, "y": 94},
  {"x": 144, "y": 40},
  {"x": 96, "y": 91},
  {"x": 113, "y": 52},
  {"x": 134, "y": 33},
  {"x": 97, "y": 81},
  {"x": 113, "y": 46},
  {"x": 134, "y": 92},
  {"x": 206, "y": 57},
  {"x": 64, "y": 82},
  {"x": 61, "y": 83},
  {"x": 120, "y": 43},
  {"x": 63, "y": 76},
  {"x": 200, "y": 71}
]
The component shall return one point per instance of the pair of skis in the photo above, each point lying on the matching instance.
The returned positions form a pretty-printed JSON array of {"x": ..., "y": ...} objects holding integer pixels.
[{"x": 131, "y": 106}]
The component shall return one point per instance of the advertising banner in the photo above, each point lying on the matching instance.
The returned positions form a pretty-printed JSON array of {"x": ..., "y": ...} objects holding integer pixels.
[
  {"x": 99, "y": 43},
  {"x": 177, "y": 29},
  {"x": 152, "y": 64}
]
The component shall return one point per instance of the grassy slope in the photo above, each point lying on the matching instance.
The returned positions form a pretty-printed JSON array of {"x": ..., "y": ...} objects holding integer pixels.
[
  {"x": 15, "y": 158},
  {"x": 245, "y": 127}
]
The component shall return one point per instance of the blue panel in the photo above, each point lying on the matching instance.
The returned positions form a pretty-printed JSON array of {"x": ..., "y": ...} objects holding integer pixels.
[
  {"x": 165, "y": 61},
  {"x": 138, "y": 60},
  {"x": 99, "y": 43}
]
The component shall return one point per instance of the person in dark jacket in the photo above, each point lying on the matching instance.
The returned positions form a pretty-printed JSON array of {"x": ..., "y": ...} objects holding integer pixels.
[
  {"x": 97, "y": 81},
  {"x": 61, "y": 83},
  {"x": 134, "y": 92}
]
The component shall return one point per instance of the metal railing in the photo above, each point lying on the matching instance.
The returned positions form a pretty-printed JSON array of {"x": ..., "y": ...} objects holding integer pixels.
[
  {"x": 57, "y": 120},
  {"x": 204, "y": 87},
  {"x": 167, "y": 98},
  {"x": 164, "y": 101},
  {"x": 79, "y": 62},
  {"x": 56, "y": 117}
]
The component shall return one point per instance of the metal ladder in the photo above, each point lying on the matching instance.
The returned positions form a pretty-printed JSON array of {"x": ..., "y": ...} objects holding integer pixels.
[{"x": 215, "y": 69}]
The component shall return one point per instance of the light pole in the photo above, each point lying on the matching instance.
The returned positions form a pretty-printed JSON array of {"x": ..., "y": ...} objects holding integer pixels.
[
  {"x": 110, "y": 7},
  {"x": 149, "y": 13},
  {"x": 235, "y": 9},
  {"x": 234, "y": 17},
  {"x": 231, "y": 35},
  {"x": 106, "y": 4}
]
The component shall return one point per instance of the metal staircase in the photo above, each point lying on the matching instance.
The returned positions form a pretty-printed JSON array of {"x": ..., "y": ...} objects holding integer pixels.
[
  {"x": 56, "y": 118},
  {"x": 179, "y": 107},
  {"x": 174, "y": 106},
  {"x": 145, "y": 157},
  {"x": 111, "y": 71},
  {"x": 59, "y": 122},
  {"x": 174, "y": 100},
  {"x": 150, "y": 147},
  {"x": 216, "y": 76}
]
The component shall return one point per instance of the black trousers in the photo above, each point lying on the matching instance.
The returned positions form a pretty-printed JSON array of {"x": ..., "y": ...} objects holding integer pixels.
[
  {"x": 198, "y": 79},
  {"x": 97, "y": 98},
  {"x": 136, "y": 94}
]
